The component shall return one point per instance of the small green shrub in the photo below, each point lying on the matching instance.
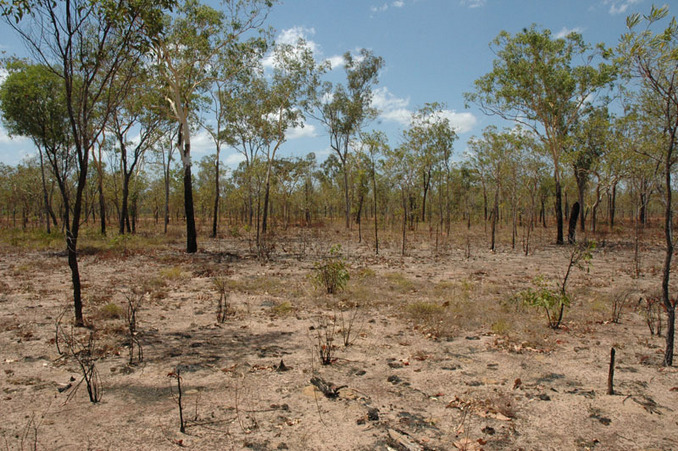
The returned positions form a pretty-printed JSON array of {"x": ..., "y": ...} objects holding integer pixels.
[
  {"x": 501, "y": 327},
  {"x": 422, "y": 309},
  {"x": 171, "y": 273},
  {"x": 543, "y": 297},
  {"x": 282, "y": 309},
  {"x": 112, "y": 311},
  {"x": 331, "y": 273}
]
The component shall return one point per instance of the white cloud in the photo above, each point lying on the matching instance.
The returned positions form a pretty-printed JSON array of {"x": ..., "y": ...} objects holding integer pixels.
[
  {"x": 291, "y": 36},
  {"x": 620, "y": 6},
  {"x": 396, "y": 109},
  {"x": 201, "y": 145},
  {"x": 566, "y": 31},
  {"x": 234, "y": 159},
  {"x": 336, "y": 61},
  {"x": 460, "y": 122},
  {"x": 473, "y": 3},
  {"x": 385, "y": 101},
  {"x": 307, "y": 131},
  {"x": 385, "y": 6}
]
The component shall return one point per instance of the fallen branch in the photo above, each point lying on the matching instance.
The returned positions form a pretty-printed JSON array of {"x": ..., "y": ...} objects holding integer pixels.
[{"x": 328, "y": 389}]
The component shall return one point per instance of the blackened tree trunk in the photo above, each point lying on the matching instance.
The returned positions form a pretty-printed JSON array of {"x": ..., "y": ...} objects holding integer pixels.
[
  {"x": 572, "y": 229},
  {"x": 215, "y": 219},
  {"x": 559, "y": 212},
  {"x": 124, "y": 213},
  {"x": 191, "y": 232},
  {"x": 669, "y": 304},
  {"x": 612, "y": 204}
]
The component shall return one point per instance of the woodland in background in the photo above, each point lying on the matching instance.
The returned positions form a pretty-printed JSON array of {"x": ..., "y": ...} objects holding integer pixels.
[{"x": 114, "y": 99}]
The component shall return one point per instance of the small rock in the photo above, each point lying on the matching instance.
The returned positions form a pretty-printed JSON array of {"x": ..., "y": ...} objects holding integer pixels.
[
  {"x": 373, "y": 414},
  {"x": 544, "y": 397},
  {"x": 395, "y": 364},
  {"x": 489, "y": 430},
  {"x": 394, "y": 379},
  {"x": 473, "y": 337}
]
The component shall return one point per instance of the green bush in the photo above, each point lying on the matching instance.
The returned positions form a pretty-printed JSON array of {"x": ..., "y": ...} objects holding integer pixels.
[
  {"x": 112, "y": 311},
  {"x": 543, "y": 297},
  {"x": 331, "y": 274}
]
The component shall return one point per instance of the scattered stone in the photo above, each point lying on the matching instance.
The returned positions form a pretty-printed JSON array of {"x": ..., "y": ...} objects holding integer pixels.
[
  {"x": 282, "y": 367},
  {"x": 551, "y": 377},
  {"x": 489, "y": 430},
  {"x": 394, "y": 379}
]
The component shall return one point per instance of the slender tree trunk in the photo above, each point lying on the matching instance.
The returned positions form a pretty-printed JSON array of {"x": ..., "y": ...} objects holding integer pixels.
[
  {"x": 494, "y": 215},
  {"x": 215, "y": 219},
  {"x": 347, "y": 199},
  {"x": 124, "y": 210},
  {"x": 358, "y": 217},
  {"x": 44, "y": 193},
  {"x": 669, "y": 305},
  {"x": 612, "y": 204},
  {"x": 376, "y": 214},
  {"x": 191, "y": 232},
  {"x": 427, "y": 184},
  {"x": 264, "y": 220},
  {"x": 404, "y": 221},
  {"x": 559, "y": 211}
]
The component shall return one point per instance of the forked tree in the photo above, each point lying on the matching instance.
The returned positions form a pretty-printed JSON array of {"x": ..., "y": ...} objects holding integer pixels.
[
  {"x": 650, "y": 57},
  {"x": 536, "y": 82},
  {"x": 87, "y": 44}
]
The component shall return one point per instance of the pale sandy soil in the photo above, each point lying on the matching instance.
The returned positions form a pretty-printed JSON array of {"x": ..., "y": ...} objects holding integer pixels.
[{"x": 473, "y": 372}]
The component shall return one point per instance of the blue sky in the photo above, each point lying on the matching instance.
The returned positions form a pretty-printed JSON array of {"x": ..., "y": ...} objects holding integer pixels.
[{"x": 433, "y": 51}]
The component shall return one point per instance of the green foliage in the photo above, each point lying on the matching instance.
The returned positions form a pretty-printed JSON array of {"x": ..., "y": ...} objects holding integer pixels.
[
  {"x": 332, "y": 272},
  {"x": 542, "y": 296},
  {"x": 112, "y": 311},
  {"x": 282, "y": 309}
]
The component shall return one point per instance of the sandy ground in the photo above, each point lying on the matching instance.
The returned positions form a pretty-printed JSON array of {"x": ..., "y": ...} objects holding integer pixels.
[{"x": 439, "y": 357}]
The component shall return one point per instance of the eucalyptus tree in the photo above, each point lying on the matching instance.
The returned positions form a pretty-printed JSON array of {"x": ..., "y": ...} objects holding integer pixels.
[
  {"x": 136, "y": 126},
  {"x": 493, "y": 154},
  {"x": 400, "y": 167},
  {"x": 292, "y": 86},
  {"x": 590, "y": 138},
  {"x": 376, "y": 144},
  {"x": 88, "y": 44},
  {"x": 32, "y": 104},
  {"x": 650, "y": 58},
  {"x": 345, "y": 109},
  {"x": 232, "y": 69},
  {"x": 431, "y": 137},
  {"x": 197, "y": 35},
  {"x": 245, "y": 115},
  {"x": 539, "y": 82}
]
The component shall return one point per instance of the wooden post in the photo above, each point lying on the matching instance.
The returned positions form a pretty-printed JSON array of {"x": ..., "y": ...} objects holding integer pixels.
[{"x": 610, "y": 375}]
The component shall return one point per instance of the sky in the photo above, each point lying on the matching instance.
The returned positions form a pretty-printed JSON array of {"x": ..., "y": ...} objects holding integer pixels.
[{"x": 433, "y": 52}]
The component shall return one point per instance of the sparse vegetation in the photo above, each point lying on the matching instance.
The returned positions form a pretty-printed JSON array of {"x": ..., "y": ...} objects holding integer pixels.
[{"x": 331, "y": 274}]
